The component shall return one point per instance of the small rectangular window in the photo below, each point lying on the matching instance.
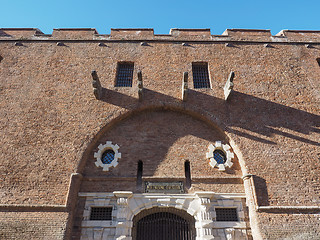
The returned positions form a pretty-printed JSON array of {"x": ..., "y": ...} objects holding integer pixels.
[
  {"x": 101, "y": 213},
  {"x": 187, "y": 173},
  {"x": 200, "y": 75},
  {"x": 139, "y": 174},
  {"x": 124, "y": 74},
  {"x": 226, "y": 214},
  {"x": 318, "y": 60}
]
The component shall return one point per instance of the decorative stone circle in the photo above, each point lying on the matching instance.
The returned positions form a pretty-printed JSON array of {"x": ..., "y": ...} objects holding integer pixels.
[
  {"x": 103, "y": 148},
  {"x": 225, "y": 148}
]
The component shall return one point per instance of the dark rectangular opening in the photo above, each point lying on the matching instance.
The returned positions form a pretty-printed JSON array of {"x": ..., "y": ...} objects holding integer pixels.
[
  {"x": 101, "y": 213},
  {"x": 187, "y": 174},
  {"x": 139, "y": 174},
  {"x": 200, "y": 75},
  {"x": 124, "y": 74},
  {"x": 226, "y": 214}
]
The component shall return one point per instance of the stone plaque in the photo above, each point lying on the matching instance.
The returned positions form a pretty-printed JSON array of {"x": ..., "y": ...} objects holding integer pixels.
[{"x": 164, "y": 187}]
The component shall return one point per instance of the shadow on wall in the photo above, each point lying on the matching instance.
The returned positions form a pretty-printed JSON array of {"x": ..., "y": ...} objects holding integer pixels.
[
  {"x": 261, "y": 191},
  {"x": 244, "y": 115},
  {"x": 4, "y": 34},
  {"x": 264, "y": 117},
  {"x": 240, "y": 115},
  {"x": 158, "y": 138}
]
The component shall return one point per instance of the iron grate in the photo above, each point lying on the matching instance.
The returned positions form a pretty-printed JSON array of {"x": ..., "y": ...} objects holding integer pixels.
[
  {"x": 164, "y": 226},
  {"x": 101, "y": 213},
  {"x": 107, "y": 156},
  {"x": 200, "y": 75},
  {"x": 124, "y": 75},
  {"x": 226, "y": 214},
  {"x": 219, "y": 156}
]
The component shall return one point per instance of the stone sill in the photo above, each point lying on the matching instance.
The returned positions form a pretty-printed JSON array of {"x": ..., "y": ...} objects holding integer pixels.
[{"x": 94, "y": 223}]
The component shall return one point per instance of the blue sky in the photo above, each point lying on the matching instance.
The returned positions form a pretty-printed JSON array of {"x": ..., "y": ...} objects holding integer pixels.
[{"x": 161, "y": 15}]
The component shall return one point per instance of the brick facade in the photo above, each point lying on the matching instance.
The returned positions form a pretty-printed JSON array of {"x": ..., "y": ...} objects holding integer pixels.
[{"x": 52, "y": 124}]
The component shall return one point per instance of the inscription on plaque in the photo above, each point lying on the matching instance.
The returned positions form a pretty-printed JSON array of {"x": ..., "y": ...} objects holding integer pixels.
[{"x": 164, "y": 187}]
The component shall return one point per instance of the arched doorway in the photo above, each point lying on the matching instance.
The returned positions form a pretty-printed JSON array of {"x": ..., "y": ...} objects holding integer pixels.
[{"x": 163, "y": 224}]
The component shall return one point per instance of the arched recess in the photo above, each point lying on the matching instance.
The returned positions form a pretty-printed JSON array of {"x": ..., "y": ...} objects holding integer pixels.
[
  {"x": 121, "y": 115},
  {"x": 162, "y": 224},
  {"x": 159, "y": 137}
]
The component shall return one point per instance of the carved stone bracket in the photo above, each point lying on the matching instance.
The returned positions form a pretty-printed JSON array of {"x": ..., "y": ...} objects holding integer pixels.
[
  {"x": 97, "y": 89},
  {"x": 228, "y": 87},
  {"x": 140, "y": 85},
  {"x": 185, "y": 86}
]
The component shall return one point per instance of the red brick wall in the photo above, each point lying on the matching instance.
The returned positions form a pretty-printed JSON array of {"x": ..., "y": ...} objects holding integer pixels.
[
  {"x": 50, "y": 120},
  {"x": 290, "y": 226},
  {"x": 32, "y": 225}
]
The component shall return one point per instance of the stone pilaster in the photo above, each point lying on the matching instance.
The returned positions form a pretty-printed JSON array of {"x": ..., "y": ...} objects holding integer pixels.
[
  {"x": 204, "y": 223},
  {"x": 123, "y": 225}
]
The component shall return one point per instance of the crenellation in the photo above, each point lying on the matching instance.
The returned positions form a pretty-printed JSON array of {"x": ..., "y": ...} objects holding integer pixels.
[
  {"x": 301, "y": 35},
  {"x": 247, "y": 32},
  {"x": 192, "y": 34},
  {"x": 147, "y": 34},
  {"x": 19, "y": 32},
  {"x": 74, "y": 33},
  {"x": 131, "y": 33}
]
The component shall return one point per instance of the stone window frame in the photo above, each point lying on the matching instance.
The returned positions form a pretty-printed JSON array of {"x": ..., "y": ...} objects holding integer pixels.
[
  {"x": 102, "y": 148},
  {"x": 226, "y": 149},
  {"x": 99, "y": 202},
  {"x": 105, "y": 207},
  {"x": 222, "y": 207}
]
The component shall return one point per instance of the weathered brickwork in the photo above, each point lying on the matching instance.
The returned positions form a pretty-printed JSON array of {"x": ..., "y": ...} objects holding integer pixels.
[
  {"x": 52, "y": 124},
  {"x": 32, "y": 225},
  {"x": 293, "y": 226}
]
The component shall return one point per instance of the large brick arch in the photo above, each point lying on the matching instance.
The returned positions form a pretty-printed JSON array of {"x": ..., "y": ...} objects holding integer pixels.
[
  {"x": 197, "y": 113},
  {"x": 177, "y": 133}
]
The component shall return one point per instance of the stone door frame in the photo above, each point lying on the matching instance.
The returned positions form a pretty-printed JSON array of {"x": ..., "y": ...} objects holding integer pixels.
[{"x": 199, "y": 205}]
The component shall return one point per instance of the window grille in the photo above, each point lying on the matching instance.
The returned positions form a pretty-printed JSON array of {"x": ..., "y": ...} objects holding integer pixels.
[
  {"x": 200, "y": 75},
  {"x": 219, "y": 156},
  {"x": 101, "y": 213},
  {"x": 163, "y": 226},
  {"x": 226, "y": 214},
  {"x": 107, "y": 156},
  {"x": 124, "y": 75}
]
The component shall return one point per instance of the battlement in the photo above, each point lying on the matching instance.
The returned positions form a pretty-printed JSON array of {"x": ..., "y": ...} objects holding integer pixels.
[
  {"x": 20, "y": 32},
  {"x": 175, "y": 34},
  {"x": 308, "y": 35},
  {"x": 132, "y": 33},
  {"x": 73, "y": 33},
  {"x": 247, "y": 32}
]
